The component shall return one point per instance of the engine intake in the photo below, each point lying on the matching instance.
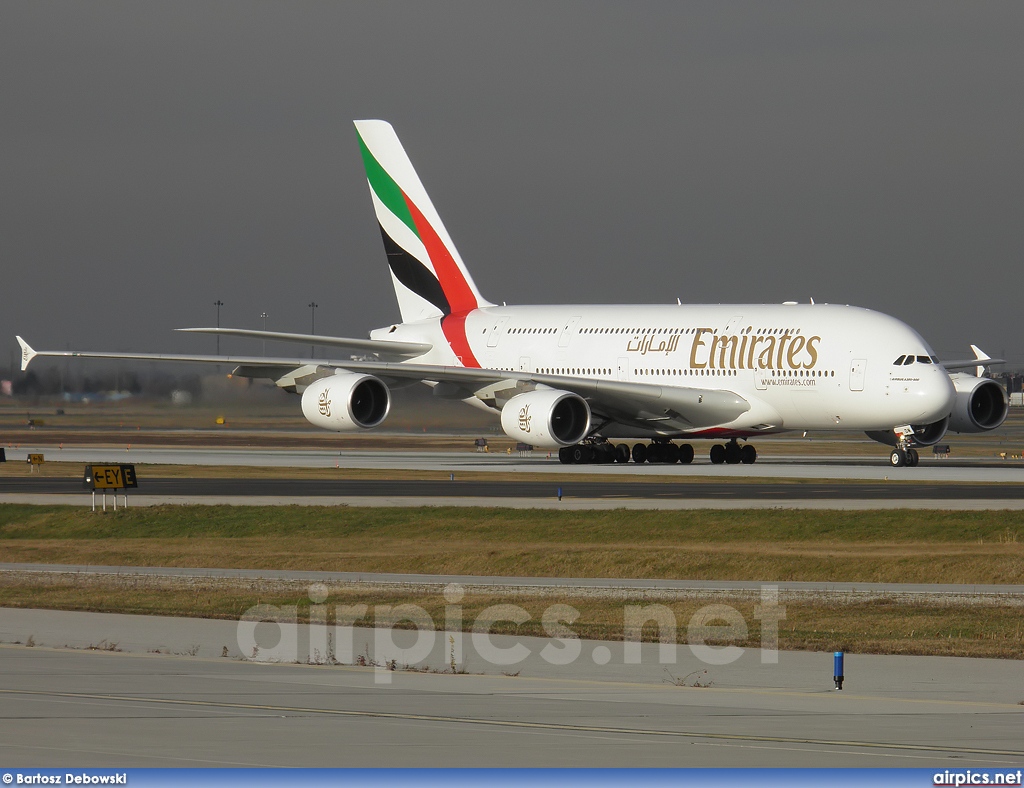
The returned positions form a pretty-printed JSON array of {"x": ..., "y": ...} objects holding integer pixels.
[
  {"x": 546, "y": 418},
  {"x": 346, "y": 401},
  {"x": 980, "y": 405}
]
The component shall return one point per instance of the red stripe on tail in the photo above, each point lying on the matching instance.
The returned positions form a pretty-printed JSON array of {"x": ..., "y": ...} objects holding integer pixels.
[{"x": 456, "y": 288}]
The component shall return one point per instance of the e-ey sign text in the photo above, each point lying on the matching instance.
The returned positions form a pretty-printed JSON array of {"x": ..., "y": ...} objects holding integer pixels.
[{"x": 110, "y": 477}]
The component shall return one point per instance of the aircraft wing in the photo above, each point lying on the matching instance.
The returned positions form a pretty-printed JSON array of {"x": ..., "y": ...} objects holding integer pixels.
[
  {"x": 979, "y": 362},
  {"x": 28, "y": 353},
  {"x": 638, "y": 404},
  {"x": 382, "y": 348}
]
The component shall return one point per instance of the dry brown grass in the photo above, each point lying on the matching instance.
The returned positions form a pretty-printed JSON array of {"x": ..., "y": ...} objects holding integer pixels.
[
  {"x": 907, "y": 563},
  {"x": 890, "y": 546},
  {"x": 877, "y": 626},
  {"x": 771, "y": 545}
]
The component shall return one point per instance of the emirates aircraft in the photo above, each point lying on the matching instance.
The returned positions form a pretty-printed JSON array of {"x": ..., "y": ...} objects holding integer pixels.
[{"x": 585, "y": 379}]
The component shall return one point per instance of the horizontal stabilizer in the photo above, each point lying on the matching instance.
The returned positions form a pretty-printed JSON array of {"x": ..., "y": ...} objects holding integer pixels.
[{"x": 382, "y": 348}]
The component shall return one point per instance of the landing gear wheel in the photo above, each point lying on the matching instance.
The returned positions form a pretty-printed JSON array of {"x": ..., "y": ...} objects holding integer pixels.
[
  {"x": 655, "y": 453},
  {"x": 898, "y": 458},
  {"x": 565, "y": 455},
  {"x": 640, "y": 453},
  {"x": 686, "y": 454},
  {"x": 622, "y": 453},
  {"x": 671, "y": 453},
  {"x": 717, "y": 454},
  {"x": 732, "y": 453},
  {"x": 748, "y": 454},
  {"x": 913, "y": 458}
]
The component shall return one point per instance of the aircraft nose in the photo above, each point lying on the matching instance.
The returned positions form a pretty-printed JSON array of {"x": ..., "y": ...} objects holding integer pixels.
[{"x": 934, "y": 395}]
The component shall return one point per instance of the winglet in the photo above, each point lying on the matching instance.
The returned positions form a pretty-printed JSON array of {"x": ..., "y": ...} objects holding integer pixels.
[
  {"x": 27, "y": 353},
  {"x": 981, "y": 355}
]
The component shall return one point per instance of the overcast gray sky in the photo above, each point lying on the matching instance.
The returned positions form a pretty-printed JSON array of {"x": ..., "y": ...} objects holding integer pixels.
[{"x": 157, "y": 157}]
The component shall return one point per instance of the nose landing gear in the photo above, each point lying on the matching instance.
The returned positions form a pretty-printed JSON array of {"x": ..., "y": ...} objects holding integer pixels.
[
  {"x": 904, "y": 453},
  {"x": 901, "y": 457}
]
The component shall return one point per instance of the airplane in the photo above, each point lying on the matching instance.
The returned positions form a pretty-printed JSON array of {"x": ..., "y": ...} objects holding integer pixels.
[{"x": 581, "y": 378}]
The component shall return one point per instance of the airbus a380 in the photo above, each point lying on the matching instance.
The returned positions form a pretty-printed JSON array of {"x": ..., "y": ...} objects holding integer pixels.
[{"x": 580, "y": 378}]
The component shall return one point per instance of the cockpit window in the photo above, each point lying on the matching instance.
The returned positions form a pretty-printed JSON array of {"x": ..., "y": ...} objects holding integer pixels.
[
  {"x": 910, "y": 360},
  {"x": 898, "y": 361},
  {"x": 924, "y": 360},
  {"x": 935, "y": 360}
]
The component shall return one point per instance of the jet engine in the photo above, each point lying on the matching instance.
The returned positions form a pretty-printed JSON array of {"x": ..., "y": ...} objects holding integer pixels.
[
  {"x": 546, "y": 418},
  {"x": 346, "y": 401},
  {"x": 980, "y": 404}
]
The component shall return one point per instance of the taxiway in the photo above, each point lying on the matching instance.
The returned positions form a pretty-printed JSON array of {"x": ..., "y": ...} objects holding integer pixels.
[{"x": 93, "y": 691}]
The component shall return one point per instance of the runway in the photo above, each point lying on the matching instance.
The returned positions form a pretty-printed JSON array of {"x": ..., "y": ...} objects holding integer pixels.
[
  {"x": 570, "y": 493},
  {"x": 803, "y": 467},
  {"x": 62, "y": 702},
  {"x": 525, "y": 488}
]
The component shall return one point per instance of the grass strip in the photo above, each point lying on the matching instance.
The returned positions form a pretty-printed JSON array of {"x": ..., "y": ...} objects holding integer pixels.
[
  {"x": 876, "y": 626},
  {"x": 894, "y": 546}
]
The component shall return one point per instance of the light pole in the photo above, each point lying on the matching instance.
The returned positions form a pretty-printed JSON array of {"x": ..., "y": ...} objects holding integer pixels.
[
  {"x": 312, "y": 325},
  {"x": 264, "y": 316},
  {"x": 218, "y": 303}
]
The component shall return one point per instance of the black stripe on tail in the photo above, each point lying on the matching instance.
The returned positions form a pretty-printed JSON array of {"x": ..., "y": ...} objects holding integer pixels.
[{"x": 414, "y": 275}]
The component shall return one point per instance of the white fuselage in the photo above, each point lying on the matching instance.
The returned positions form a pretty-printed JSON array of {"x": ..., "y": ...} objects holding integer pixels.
[{"x": 800, "y": 366}]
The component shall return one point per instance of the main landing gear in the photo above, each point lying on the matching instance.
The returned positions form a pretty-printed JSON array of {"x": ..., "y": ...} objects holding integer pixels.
[
  {"x": 592, "y": 452},
  {"x": 733, "y": 454},
  {"x": 661, "y": 452}
]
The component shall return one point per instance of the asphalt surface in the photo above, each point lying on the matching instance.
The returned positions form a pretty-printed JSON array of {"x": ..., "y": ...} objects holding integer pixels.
[
  {"x": 570, "y": 488},
  {"x": 151, "y": 703},
  {"x": 539, "y": 466}
]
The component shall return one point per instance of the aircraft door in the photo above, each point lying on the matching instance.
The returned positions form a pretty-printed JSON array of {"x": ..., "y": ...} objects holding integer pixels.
[
  {"x": 622, "y": 371},
  {"x": 524, "y": 363},
  {"x": 567, "y": 330},
  {"x": 760, "y": 383},
  {"x": 734, "y": 324},
  {"x": 497, "y": 329},
  {"x": 857, "y": 367}
]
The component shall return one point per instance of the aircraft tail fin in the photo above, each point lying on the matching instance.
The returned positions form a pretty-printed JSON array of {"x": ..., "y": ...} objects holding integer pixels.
[{"x": 429, "y": 276}]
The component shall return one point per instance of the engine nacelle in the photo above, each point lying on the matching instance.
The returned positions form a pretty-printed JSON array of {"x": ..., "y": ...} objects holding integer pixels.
[
  {"x": 346, "y": 401},
  {"x": 546, "y": 418},
  {"x": 924, "y": 434},
  {"x": 980, "y": 405}
]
